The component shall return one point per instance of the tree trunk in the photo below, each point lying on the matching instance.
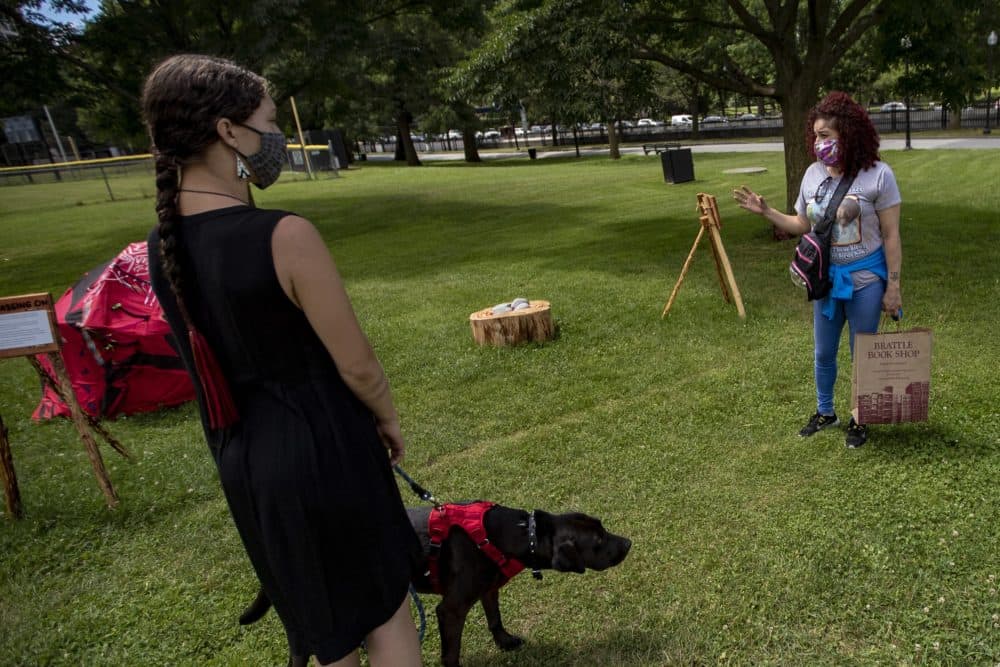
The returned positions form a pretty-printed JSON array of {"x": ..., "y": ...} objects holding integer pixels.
[
  {"x": 613, "y": 140},
  {"x": 695, "y": 108},
  {"x": 404, "y": 138},
  {"x": 955, "y": 118},
  {"x": 794, "y": 114},
  {"x": 469, "y": 144},
  {"x": 399, "y": 155}
]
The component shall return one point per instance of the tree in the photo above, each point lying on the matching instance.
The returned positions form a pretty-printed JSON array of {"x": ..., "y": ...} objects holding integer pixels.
[
  {"x": 39, "y": 55},
  {"x": 405, "y": 59},
  {"x": 804, "y": 40},
  {"x": 947, "y": 49},
  {"x": 564, "y": 60}
]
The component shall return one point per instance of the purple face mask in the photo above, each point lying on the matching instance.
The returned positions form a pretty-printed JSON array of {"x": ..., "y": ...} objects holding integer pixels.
[{"x": 826, "y": 152}]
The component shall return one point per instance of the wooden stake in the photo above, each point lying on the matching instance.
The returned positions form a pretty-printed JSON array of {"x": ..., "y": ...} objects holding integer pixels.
[
  {"x": 684, "y": 270},
  {"x": 12, "y": 495},
  {"x": 710, "y": 220},
  {"x": 302, "y": 139},
  {"x": 100, "y": 472},
  {"x": 93, "y": 422}
]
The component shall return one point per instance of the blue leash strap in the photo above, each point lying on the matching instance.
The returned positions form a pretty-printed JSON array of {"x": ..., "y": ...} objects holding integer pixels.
[
  {"x": 420, "y": 612},
  {"x": 426, "y": 496}
]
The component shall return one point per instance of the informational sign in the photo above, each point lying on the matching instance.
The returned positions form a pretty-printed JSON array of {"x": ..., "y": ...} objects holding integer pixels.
[
  {"x": 20, "y": 129},
  {"x": 28, "y": 328},
  {"x": 27, "y": 325}
]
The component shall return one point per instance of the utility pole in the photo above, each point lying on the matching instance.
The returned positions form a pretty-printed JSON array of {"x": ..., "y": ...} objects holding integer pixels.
[
  {"x": 906, "y": 44},
  {"x": 52, "y": 125},
  {"x": 991, "y": 43}
]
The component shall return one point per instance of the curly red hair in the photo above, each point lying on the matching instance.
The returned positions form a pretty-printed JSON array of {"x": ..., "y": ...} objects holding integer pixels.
[{"x": 858, "y": 141}]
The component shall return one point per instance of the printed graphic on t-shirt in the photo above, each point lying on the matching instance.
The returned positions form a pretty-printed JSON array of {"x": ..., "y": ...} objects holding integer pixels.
[{"x": 847, "y": 227}]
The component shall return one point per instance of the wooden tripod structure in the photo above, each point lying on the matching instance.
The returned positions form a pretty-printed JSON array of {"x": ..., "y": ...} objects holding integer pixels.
[
  {"x": 86, "y": 426},
  {"x": 709, "y": 217}
]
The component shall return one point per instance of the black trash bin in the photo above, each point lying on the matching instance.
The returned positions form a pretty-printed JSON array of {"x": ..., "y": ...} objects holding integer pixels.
[
  {"x": 677, "y": 165},
  {"x": 532, "y": 153}
]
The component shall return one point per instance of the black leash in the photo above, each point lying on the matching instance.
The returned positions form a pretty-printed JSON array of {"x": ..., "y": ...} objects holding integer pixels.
[{"x": 421, "y": 492}]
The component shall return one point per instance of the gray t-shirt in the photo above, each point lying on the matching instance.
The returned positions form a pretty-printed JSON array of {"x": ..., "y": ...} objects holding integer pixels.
[{"x": 856, "y": 232}]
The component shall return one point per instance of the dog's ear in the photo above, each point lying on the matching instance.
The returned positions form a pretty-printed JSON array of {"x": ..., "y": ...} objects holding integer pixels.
[{"x": 567, "y": 558}]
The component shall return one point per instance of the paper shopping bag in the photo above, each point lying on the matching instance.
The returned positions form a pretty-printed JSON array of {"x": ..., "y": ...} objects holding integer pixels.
[{"x": 892, "y": 377}]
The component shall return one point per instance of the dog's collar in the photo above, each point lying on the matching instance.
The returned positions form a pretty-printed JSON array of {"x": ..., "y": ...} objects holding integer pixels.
[{"x": 533, "y": 544}]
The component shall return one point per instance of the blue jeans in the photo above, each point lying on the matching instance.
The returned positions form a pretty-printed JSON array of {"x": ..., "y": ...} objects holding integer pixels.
[{"x": 862, "y": 313}]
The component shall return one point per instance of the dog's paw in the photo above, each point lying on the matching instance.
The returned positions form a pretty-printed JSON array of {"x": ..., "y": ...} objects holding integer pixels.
[{"x": 509, "y": 642}]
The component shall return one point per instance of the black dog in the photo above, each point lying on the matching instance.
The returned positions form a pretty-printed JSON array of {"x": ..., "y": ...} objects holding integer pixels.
[{"x": 563, "y": 542}]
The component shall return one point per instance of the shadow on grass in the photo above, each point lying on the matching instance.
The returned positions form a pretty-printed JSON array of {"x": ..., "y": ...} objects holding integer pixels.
[
  {"x": 618, "y": 648},
  {"x": 572, "y": 238},
  {"x": 925, "y": 441},
  {"x": 568, "y": 235}
]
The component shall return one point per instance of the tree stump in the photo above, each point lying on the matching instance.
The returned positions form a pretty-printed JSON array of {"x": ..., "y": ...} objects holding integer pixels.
[{"x": 533, "y": 323}]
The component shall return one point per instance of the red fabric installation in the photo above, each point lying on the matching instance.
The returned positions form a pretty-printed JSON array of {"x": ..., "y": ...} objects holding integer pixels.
[{"x": 117, "y": 348}]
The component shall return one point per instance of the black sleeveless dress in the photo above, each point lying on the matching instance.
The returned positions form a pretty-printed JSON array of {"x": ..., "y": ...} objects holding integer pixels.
[{"x": 306, "y": 477}]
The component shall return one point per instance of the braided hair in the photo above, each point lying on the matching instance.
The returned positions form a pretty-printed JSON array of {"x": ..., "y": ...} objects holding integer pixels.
[{"x": 182, "y": 100}]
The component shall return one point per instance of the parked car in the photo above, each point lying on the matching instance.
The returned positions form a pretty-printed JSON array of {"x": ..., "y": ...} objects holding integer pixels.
[
  {"x": 491, "y": 135},
  {"x": 454, "y": 134},
  {"x": 647, "y": 122},
  {"x": 893, "y": 106},
  {"x": 681, "y": 119},
  {"x": 748, "y": 116},
  {"x": 708, "y": 120}
]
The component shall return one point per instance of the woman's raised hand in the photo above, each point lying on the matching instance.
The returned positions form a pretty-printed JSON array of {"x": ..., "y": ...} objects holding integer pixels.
[{"x": 750, "y": 200}]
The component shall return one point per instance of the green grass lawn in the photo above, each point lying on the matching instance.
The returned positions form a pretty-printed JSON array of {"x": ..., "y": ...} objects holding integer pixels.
[{"x": 751, "y": 545}]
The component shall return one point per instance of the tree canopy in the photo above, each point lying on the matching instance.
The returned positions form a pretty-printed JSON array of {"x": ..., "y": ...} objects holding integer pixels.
[{"x": 369, "y": 65}]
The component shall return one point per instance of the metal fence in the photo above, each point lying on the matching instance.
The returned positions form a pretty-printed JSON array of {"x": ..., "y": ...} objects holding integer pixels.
[
  {"x": 131, "y": 177},
  {"x": 921, "y": 120},
  {"x": 104, "y": 169}
]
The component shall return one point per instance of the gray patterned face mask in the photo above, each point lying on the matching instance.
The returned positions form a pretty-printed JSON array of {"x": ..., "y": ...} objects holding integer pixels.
[{"x": 266, "y": 163}]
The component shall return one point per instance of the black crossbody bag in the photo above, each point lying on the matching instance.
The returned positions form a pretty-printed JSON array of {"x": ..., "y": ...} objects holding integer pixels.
[{"x": 810, "y": 267}]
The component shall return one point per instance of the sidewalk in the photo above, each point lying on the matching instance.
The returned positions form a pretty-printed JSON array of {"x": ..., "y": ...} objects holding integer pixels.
[{"x": 990, "y": 142}]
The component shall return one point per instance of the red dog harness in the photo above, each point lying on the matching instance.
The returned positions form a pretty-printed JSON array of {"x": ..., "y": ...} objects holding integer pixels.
[{"x": 469, "y": 518}]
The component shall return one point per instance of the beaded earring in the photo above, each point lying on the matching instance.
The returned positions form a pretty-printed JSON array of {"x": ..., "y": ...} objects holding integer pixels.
[{"x": 242, "y": 172}]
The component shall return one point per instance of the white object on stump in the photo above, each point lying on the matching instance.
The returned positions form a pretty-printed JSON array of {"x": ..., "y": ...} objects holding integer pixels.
[{"x": 533, "y": 323}]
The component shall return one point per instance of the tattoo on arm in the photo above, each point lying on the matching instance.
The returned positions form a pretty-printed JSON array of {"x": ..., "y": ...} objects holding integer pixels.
[{"x": 894, "y": 276}]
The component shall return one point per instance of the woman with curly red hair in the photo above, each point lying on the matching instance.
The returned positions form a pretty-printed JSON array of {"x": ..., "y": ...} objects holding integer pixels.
[{"x": 865, "y": 254}]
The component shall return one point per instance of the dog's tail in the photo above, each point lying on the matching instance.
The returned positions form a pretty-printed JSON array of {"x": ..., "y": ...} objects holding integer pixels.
[{"x": 257, "y": 609}]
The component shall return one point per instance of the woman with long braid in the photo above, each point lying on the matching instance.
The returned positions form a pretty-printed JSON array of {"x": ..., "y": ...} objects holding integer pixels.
[{"x": 294, "y": 403}]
